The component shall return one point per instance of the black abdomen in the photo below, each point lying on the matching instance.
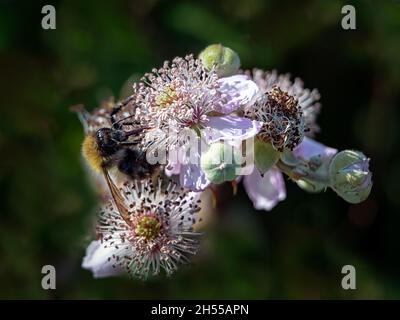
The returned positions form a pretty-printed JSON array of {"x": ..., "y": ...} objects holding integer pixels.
[{"x": 135, "y": 165}]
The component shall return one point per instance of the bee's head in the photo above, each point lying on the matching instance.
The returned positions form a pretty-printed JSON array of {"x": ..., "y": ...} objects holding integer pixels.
[{"x": 108, "y": 140}]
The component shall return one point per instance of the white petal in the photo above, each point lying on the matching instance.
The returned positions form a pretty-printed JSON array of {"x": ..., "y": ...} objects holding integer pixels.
[
  {"x": 239, "y": 90},
  {"x": 265, "y": 191},
  {"x": 176, "y": 158},
  {"x": 96, "y": 260},
  {"x": 310, "y": 148},
  {"x": 230, "y": 128},
  {"x": 172, "y": 169},
  {"x": 193, "y": 178}
]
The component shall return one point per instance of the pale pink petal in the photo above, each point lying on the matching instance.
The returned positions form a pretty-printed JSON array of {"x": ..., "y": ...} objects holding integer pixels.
[
  {"x": 230, "y": 128},
  {"x": 176, "y": 158},
  {"x": 193, "y": 178},
  {"x": 238, "y": 91},
  {"x": 265, "y": 191},
  {"x": 172, "y": 169},
  {"x": 310, "y": 148},
  {"x": 97, "y": 260}
]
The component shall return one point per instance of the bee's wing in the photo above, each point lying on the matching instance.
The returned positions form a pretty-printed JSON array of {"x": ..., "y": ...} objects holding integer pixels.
[
  {"x": 117, "y": 197},
  {"x": 92, "y": 121},
  {"x": 83, "y": 116}
]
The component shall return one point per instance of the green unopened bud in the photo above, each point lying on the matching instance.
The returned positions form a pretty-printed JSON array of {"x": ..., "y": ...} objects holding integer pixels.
[
  {"x": 225, "y": 61},
  {"x": 350, "y": 176},
  {"x": 219, "y": 163},
  {"x": 265, "y": 155}
]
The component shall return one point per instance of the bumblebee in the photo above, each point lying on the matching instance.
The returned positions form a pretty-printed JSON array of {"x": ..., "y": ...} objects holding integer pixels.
[{"x": 117, "y": 146}]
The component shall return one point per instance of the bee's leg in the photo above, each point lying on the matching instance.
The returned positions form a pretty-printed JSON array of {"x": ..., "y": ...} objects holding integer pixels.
[
  {"x": 130, "y": 123},
  {"x": 117, "y": 108},
  {"x": 114, "y": 111},
  {"x": 134, "y": 131}
]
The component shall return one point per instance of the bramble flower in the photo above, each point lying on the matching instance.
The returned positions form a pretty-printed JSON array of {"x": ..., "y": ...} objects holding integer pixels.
[
  {"x": 158, "y": 235},
  {"x": 183, "y": 98},
  {"x": 288, "y": 111}
]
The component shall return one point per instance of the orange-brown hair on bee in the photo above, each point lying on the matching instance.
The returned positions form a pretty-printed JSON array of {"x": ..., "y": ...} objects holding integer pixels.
[{"x": 91, "y": 153}]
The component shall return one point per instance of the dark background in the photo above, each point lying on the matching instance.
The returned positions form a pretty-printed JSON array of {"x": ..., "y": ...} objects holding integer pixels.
[{"x": 47, "y": 206}]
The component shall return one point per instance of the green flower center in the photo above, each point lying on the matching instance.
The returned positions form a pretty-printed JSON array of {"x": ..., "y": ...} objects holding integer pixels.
[
  {"x": 166, "y": 97},
  {"x": 148, "y": 227}
]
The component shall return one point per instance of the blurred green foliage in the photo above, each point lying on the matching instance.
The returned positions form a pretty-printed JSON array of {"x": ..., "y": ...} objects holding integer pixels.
[{"x": 47, "y": 206}]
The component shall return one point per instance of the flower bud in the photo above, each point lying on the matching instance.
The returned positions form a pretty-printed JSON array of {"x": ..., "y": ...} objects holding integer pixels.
[
  {"x": 265, "y": 155},
  {"x": 225, "y": 61},
  {"x": 219, "y": 163},
  {"x": 350, "y": 176}
]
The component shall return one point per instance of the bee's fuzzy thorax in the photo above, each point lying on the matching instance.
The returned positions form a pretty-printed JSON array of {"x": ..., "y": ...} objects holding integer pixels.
[{"x": 91, "y": 153}]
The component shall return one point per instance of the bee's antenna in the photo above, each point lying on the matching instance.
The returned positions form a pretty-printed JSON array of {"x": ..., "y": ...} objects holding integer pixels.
[{"x": 135, "y": 131}]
